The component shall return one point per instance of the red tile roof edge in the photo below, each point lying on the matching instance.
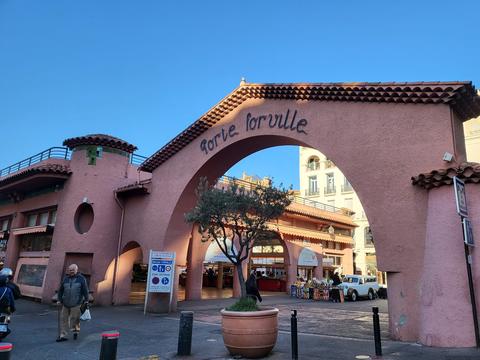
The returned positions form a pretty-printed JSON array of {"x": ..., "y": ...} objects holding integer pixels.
[
  {"x": 469, "y": 172},
  {"x": 460, "y": 95},
  {"x": 59, "y": 169},
  {"x": 100, "y": 139}
]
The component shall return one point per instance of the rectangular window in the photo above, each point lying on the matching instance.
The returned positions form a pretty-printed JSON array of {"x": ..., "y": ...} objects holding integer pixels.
[
  {"x": 43, "y": 219},
  {"x": 53, "y": 217},
  {"x": 330, "y": 181},
  {"x": 32, "y": 275},
  {"x": 331, "y": 203},
  {"x": 348, "y": 203},
  {"x": 312, "y": 185},
  {"x": 32, "y": 220},
  {"x": 36, "y": 242},
  {"x": 368, "y": 237},
  {"x": 4, "y": 224}
]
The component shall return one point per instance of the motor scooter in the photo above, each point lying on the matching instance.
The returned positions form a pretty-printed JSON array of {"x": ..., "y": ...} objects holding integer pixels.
[{"x": 4, "y": 328}]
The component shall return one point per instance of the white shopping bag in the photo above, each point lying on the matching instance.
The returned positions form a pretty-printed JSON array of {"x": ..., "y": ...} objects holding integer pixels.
[{"x": 86, "y": 315}]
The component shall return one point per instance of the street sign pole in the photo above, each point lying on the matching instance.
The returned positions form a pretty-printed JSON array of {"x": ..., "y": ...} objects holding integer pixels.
[
  {"x": 470, "y": 285},
  {"x": 462, "y": 211},
  {"x": 149, "y": 274}
]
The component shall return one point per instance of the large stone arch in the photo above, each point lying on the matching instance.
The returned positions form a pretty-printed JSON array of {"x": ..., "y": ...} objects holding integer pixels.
[{"x": 378, "y": 134}]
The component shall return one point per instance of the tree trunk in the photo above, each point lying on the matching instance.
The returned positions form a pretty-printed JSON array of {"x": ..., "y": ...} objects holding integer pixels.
[{"x": 241, "y": 280}]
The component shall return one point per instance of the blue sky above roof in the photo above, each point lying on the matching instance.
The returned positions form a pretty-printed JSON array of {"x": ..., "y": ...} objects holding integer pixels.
[{"x": 143, "y": 71}]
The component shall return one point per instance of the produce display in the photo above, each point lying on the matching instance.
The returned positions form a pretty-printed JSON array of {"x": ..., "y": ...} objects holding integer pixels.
[{"x": 312, "y": 289}]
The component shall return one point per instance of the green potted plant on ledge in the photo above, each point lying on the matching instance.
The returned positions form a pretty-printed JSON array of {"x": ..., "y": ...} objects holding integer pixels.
[{"x": 237, "y": 216}]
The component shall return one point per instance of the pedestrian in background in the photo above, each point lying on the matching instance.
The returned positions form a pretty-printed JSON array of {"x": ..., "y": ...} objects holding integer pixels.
[
  {"x": 73, "y": 292},
  {"x": 252, "y": 289},
  {"x": 335, "y": 290}
]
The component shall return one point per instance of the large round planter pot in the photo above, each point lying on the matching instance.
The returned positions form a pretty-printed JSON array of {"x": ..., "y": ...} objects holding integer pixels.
[{"x": 251, "y": 334}]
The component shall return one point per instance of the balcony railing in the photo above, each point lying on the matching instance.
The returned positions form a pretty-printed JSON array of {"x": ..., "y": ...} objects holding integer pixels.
[
  {"x": 53, "y": 152},
  {"x": 294, "y": 198},
  {"x": 330, "y": 190},
  {"x": 347, "y": 188},
  {"x": 57, "y": 153},
  {"x": 136, "y": 159},
  {"x": 312, "y": 192}
]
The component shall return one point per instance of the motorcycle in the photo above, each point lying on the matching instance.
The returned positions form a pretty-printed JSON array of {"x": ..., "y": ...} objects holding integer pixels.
[{"x": 4, "y": 329}]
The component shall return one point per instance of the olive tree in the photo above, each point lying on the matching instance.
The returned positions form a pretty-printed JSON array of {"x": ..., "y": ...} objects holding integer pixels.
[{"x": 236, "y": 213}]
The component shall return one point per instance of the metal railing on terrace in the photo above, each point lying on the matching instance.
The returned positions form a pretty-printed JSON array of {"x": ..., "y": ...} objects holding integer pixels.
[
  {"x": 56, "y": 152},
  {"x": 136, "y": 159},
  {"x": 294, "y": 198},
  {"x": 53, "y": 152}
]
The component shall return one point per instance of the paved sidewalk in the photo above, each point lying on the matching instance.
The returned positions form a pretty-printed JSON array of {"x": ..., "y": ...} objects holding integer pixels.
[{"x": 34, "y": 329}]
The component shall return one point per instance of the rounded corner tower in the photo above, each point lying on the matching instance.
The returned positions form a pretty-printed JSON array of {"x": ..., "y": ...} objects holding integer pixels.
[{"x": 97, "y": 148}]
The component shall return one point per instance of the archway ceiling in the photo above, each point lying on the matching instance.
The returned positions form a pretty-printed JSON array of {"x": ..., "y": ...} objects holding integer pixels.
[{"x": 461, "y": 96}]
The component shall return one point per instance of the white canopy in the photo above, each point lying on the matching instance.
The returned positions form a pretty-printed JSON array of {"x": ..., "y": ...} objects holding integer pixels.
[
  {"x": 214, "y": 254},
  {"x": 307, "y": 258}
]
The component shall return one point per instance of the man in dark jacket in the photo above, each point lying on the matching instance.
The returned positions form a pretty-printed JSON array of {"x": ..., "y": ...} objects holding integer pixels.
[
  {"x": 7, "y": 303},
  {"x": 251, "y": 287},
  {"x": 73, "y": 292},
  {"x": 14, "y": 287}
]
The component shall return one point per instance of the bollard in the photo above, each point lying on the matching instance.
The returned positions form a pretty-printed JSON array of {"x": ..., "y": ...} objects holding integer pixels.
[
  {"x": 5, "y": 350},
  {"x": 294, "y": 335},
  {"x": 185, "y": 333},
  {"x": 108, "y": 350},
  {"x": 376, "y": 332}
]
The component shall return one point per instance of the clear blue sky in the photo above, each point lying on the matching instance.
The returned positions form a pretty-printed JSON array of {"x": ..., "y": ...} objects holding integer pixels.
[{"x": 144, "y": 70}]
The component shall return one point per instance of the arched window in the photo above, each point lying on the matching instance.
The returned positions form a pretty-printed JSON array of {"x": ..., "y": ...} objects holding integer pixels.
[{"x": 313, "y": 163}]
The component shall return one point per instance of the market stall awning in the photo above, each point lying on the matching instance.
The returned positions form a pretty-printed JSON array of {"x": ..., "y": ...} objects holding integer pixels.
[
  {"x": 214, "y": 254},
  {"x": 307, "y": 258},
  {"x": 311, "y": 234},
  {"x": 32, "y": 230}
]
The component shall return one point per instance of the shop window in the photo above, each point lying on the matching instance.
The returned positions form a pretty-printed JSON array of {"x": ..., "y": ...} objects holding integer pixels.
[
  {"x": 35, "y": 242},
  {"x": 31, "y": 275},
  {"x": 83, "y": 218}
]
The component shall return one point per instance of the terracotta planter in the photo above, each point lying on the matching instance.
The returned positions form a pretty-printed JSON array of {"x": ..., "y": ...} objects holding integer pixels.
[{"x": 251, "y": 334}]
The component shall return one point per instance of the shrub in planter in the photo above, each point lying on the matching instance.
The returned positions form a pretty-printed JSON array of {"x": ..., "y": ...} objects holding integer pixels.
[{"x": 235, "y": 215}]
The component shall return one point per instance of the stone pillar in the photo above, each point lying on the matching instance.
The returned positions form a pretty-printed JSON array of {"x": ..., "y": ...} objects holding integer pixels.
[
  {"x": 444, "y": 283},
  {"x": 13, "y": 245},
  {"x": 220, "y": 276},
  {"x": 347, "y": 261},
  {"x": 195, "y": 257}
]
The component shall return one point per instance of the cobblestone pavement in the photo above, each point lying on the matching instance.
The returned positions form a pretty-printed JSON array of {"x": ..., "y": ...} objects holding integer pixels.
[{"x": 327, "y": 332}]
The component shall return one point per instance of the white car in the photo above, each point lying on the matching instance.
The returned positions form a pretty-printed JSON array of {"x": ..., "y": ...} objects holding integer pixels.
[{"x": 356, "y": 286}]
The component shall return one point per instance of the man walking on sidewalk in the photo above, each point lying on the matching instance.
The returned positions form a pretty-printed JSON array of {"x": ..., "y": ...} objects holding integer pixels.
[{"x": 73, "y": 292}]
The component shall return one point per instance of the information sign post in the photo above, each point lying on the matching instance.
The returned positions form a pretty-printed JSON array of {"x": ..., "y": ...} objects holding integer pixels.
[
  {"x": 462, "y": 210},
  {"x": 161, "y": 275}
]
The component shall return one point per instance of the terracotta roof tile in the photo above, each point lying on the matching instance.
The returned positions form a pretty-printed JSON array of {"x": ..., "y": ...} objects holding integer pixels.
[
  {"x": 460, "y": 96},
  {"x": 101, "y": 140},
  {"x": 34, "y": 170},
  {"x": 468, "y": 172},
  {"x": 311, "y": 234},
  {"x": 320, "y": 214}
]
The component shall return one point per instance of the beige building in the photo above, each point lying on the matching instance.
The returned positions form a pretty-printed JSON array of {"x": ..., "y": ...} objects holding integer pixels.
[
  {"x": 472, "y": 139},
  {"x": 322, "y": 181}
]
